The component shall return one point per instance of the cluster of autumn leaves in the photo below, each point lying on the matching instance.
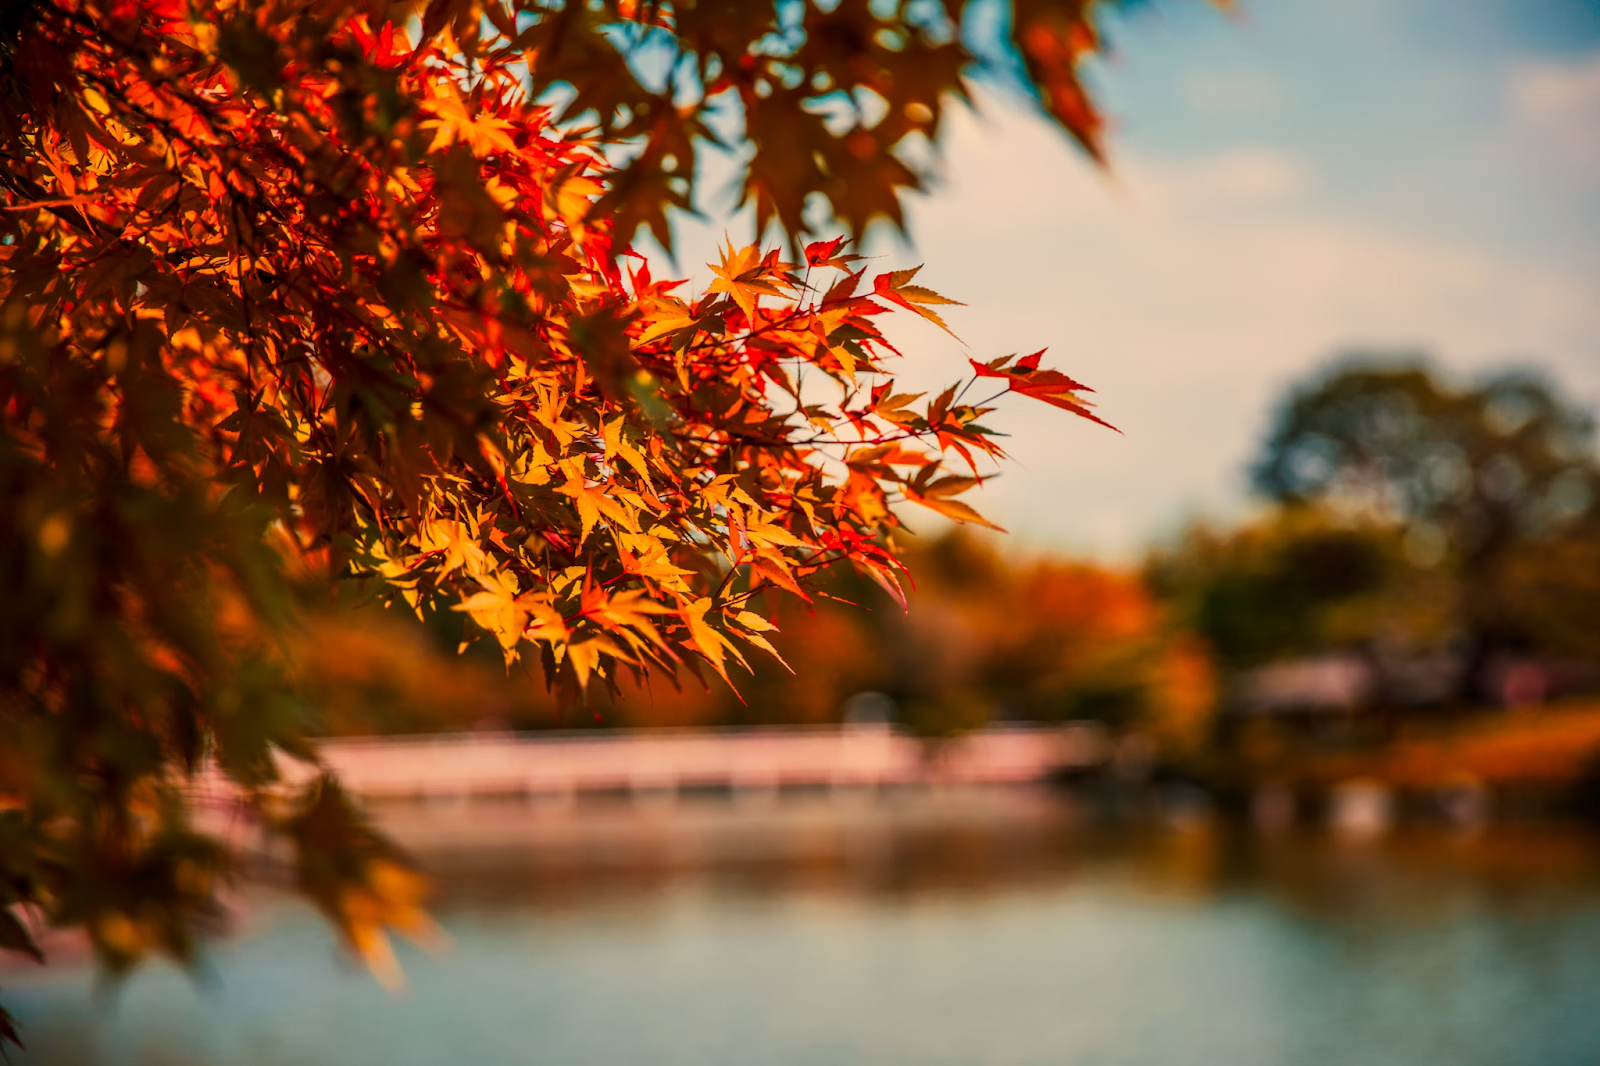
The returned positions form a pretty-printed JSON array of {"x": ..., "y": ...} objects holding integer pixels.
[
  {"x": 404, "y": 327},
  {"x": 341, "y": 294}
]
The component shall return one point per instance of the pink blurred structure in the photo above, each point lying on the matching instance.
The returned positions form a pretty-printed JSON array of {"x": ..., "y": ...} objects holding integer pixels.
[{"x": 657, "y": 762}]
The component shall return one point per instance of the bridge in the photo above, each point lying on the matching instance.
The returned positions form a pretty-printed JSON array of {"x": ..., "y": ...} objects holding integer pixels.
[{"x": 745, "y": 762}]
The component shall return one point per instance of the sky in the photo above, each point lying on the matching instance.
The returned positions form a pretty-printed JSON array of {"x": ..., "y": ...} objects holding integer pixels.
[{"x": 1304, "y": 179}]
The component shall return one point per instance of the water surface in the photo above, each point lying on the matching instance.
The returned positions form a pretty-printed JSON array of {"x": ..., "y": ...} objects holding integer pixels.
[{"x": 972, "y": 928}]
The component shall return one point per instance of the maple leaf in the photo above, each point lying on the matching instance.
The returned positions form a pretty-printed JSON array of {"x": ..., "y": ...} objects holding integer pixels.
[
  {"x": 885, "y": 577},
  {"x": 893, "y": 408},
  {"x": 826, "y": 254},
  {"x": 592, "y": 500},
  {"x": 892, "y": 453},
  {"x": 669, "y": 317},
  {"x": 657, "y": 564},
  {"x": 1051, "y": 386},
  {"x": 8, "y": 1031},
  {"x": 617, "y": 446},
  {"x": 938, "y": 495},
  {"x": 896, "y": 287},
  {"x": 746, "y": 276},
  {"x": 753, "y": 626},
  {"x": 452, "y": 122},
  {"x": 711, "y": 644},
  {"x": 372, "y": 890},
  {"x": 1052, "y": 39},
  {"x": 586, "y": 656},
  {"x": 504, "y": 611}
]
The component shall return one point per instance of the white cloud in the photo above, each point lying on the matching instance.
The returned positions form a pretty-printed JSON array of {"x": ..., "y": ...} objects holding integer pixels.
[{"x": 1559, "y": 103}]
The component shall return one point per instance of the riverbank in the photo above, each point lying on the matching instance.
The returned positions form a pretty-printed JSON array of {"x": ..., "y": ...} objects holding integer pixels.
[{"x": 1464, "y": 766}]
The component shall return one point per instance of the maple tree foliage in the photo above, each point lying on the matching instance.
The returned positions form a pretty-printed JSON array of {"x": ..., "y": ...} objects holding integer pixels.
[{"x": 345, "y": 291}]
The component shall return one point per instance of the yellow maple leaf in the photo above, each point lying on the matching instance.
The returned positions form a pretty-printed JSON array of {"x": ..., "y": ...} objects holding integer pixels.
[
  {"x": 617, "y": 445},
  {"x": 712, "y": 645},
  {"x": 743, "y": 276},
  {"x": 452, "y": 122}
]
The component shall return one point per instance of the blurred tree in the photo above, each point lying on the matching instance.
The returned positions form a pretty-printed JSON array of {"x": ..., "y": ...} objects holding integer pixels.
[
  {"x": 365, "y": 671},
  {"x": 342, "y": 291},
  {"x": 1491, "y": 482},
  {"x": 1293, "y": 583},
  {"x": 1046, "y": 641}
]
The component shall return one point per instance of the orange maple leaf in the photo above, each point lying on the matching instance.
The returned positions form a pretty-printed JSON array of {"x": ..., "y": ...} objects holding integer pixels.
[{"x": 1051, "y": 386}]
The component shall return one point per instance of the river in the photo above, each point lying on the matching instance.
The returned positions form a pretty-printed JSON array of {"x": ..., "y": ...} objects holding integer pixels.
[{"x": 1006, "y": 926}]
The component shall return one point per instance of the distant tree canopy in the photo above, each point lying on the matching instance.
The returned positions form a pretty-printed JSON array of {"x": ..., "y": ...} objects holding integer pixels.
[
  {"x": 345, "y": 291},
  {"x": 1288, "y": 585},
  {"x": 1496, "y": 484},
  {"x": 1041, "y": 640},
  {"x": 1482, "y": 467}
]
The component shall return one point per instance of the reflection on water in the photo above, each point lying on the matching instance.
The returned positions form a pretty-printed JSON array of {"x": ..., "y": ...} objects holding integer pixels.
[{"x": 980, "y": 927}]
